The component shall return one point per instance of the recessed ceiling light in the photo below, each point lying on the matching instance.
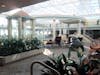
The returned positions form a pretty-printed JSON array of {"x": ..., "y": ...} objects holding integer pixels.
[{"x": 3, "y": 5}]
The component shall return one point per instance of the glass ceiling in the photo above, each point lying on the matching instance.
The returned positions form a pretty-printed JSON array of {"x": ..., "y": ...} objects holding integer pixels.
[{"x": 64, "y": 7}]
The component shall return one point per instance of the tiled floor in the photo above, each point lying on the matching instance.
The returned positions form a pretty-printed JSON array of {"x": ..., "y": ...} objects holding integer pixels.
[{"x": 23, "y": 67}]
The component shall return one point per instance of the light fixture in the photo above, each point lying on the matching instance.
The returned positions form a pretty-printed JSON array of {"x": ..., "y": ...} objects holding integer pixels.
[{"x": 3, "y": 5}]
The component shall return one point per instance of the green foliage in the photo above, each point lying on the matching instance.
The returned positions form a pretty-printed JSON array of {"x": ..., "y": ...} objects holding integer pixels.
[
  {"x": 36, "y": 43},
  {"x": 70, "y": 67},
  {"x": 60, "y": 63},
  {"x": 13, "y": 46}
]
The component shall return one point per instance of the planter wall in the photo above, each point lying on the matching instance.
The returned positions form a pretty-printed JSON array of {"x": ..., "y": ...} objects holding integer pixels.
[{"x": 19, "y": 56}]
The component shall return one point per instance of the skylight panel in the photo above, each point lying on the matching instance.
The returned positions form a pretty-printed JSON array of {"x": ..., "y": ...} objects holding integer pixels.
[
  {"x": 65, "y": 7},
  {"x": 67, "y": 1}
]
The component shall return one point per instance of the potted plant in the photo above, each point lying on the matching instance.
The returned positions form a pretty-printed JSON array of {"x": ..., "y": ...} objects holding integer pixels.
[
  {"x": 17, "y": 49},
  {"x": 70, "y": 67}
]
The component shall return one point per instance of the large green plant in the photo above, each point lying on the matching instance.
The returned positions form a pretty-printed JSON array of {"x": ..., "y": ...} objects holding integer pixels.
[
  {"x": 70, "y": 67},
  {"x": 36, "y": 43},
  {"x": 60, "y": 63},
  {"x": 13, "y": 46}
]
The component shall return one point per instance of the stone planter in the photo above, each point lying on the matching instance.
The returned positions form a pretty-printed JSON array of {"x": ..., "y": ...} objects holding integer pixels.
[{"x": 19, "y": 56}]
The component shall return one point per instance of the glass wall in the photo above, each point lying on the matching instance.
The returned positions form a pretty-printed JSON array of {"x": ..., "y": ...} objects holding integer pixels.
[
  {"x": 3, "y": 27},
  {"x": 27, "y": 29},
  {"x": 14, "y": 28}
]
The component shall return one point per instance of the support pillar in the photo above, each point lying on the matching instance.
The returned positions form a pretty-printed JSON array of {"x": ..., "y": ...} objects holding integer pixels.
[
  {"x": 79, "y": 28},
  {"x": 20, "y": 28},
  {"x": 32, "y": 28},
  {"x": 84, "y": 29},
  {"x": 68, "y": 29},
  {"x": 23, "y": 28},
  {"x": 9, "y": 28},
  {"x": 54, "y": 29},
  {"x": 44, "y": 29}
]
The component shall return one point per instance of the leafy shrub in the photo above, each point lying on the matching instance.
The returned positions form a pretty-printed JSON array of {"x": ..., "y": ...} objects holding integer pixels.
[
  {"x": 36, "y": 43},
  {"x": 13, "y": 46},
  {"x": 70, "y": 67},
  {"x": 60, "y": 63}
]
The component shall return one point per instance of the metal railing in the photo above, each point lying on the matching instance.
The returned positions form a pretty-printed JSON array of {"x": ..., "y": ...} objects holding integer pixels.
[
  {"x": 87, "y": 36},
  {"x": 43, "y": 64}
]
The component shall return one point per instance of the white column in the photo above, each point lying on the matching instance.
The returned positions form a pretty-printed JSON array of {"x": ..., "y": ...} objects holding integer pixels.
[
  {"x": 54, "y": 29},
  {"x": 24, "y": 29},
  {"x": 79, "y": 28},
  {"x": 33, "y": 28},
  {"x": 68, "y": 29},
  {"x": 84, "y": 29},
  {"x": 20, "y": 27},
  {"x": 44, "y": 29},
  {"x": 9, "y": 28}
]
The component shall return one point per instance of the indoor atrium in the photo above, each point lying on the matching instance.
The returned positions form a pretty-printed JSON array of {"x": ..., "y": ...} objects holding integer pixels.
[{"x": 49, "y": 37}]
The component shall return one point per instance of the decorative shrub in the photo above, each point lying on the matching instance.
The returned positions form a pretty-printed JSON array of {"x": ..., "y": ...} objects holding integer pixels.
[
  {"x": 13, "y": 46},
  {"x": 70, "y": 67}
]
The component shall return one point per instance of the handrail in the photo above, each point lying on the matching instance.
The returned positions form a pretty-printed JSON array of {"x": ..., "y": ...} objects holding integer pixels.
[
  {"x": 91, "y": 39},
  {"x": 43, "y": 64}
]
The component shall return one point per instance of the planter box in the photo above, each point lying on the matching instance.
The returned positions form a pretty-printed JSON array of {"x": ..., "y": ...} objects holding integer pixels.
[{"x": 19, "y": 56}]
